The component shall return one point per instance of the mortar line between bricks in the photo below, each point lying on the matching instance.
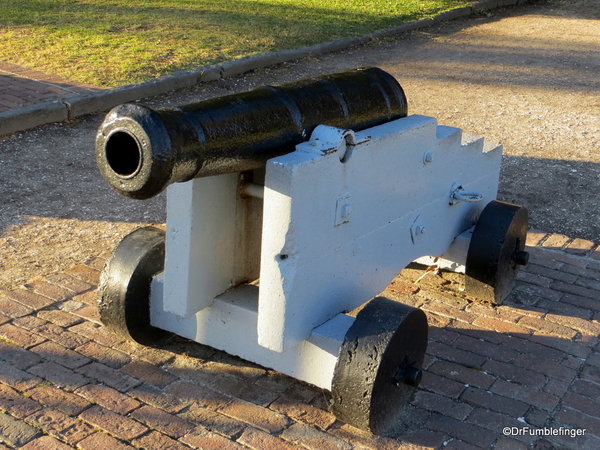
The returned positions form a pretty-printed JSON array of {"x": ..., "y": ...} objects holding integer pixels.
[
  {"x": 541, "y": 241},
  {"x": 566, "y": 244},
  {"x": 559, "y": 404},
  {"x": 39, "y": 76},
  {"x": 551, "y": 414},
  {"x": 42, "y": 308},
  {"x": 470, "y": 414},
  {"x": 529, "y": 409},
  {"x": 563, "y": 250}
]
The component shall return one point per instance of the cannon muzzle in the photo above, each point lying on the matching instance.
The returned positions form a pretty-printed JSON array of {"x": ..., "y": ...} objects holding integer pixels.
[{"x": 140, "y": 151}]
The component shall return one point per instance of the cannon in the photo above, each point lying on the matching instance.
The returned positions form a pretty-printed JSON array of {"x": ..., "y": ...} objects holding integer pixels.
[
  {"x": 288, "y": 207},
  {"x": 141, "y": 151}
]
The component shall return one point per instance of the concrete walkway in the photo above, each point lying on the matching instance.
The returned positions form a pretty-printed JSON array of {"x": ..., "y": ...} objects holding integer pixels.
[
  {"x": 20, "y": 87},
  {"x": 523, "y": 375}
]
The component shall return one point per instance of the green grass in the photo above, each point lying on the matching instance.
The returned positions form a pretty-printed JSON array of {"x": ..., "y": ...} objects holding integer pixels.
[{"x": 114, "y": 42}]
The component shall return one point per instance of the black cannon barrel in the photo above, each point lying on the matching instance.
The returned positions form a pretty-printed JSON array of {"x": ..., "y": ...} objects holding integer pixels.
[{"x": 140, "y": 151}]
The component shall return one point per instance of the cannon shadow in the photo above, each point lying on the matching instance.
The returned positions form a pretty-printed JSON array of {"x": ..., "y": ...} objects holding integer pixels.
[
  {"x": 530, "y": 364},
  {"x": 560, "y": 195}
]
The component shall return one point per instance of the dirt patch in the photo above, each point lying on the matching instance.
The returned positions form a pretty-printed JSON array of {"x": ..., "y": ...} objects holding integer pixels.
[{"x": 526, "y": 77}]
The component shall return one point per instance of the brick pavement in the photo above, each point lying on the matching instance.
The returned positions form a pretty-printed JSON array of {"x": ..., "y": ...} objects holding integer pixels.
[
  {"x": 20, "y": 87},
  {"x": 65, "y": 382}
]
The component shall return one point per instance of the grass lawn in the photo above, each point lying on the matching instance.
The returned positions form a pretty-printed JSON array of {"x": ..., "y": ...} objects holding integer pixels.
[{"x": 115, "y": 42}]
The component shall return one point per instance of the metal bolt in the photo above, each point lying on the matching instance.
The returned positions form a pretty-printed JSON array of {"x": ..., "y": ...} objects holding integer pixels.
[
  {"x": 520, "y": 257},
  {"x": 408, "y": 375},
  {"x": 419, "y": 229},
  {"x": 427, "y": 158},
  {"x": 346, "y": 210},
  {"x": 412, "y": 376}
]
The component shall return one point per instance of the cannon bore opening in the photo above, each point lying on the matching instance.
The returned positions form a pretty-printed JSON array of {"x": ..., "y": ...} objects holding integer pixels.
[{"x": 123, "y": 153}]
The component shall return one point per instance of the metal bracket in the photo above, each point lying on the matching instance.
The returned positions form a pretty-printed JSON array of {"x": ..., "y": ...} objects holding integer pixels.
[
  {"x": 325, "y": 140},
  {"x": 458, "y": 194},
  {"x": 416, "y": 229},
  {"x": 343, "y": 208}
]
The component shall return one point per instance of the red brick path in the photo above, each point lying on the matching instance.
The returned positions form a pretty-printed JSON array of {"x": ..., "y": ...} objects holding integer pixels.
[
  {"x": 66, "y": 382},
  {"x": 23, "y": 87}
]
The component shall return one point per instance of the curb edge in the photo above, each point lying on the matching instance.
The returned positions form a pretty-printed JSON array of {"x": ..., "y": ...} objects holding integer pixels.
[{"x": 76, "y": 105}]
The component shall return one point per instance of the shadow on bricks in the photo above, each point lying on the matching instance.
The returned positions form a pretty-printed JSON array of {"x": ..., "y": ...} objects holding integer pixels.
[{"x": 495, "y": 377}]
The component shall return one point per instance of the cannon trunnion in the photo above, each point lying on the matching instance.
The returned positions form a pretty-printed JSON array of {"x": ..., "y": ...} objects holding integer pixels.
[{"x": 288, "y": 207}]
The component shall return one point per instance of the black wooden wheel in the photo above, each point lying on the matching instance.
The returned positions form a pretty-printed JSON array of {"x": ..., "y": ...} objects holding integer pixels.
[
  {"x": 496, "y": 251},
  {"x": 124, "y": 290},
  {"x": 379, "y": 364}
]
